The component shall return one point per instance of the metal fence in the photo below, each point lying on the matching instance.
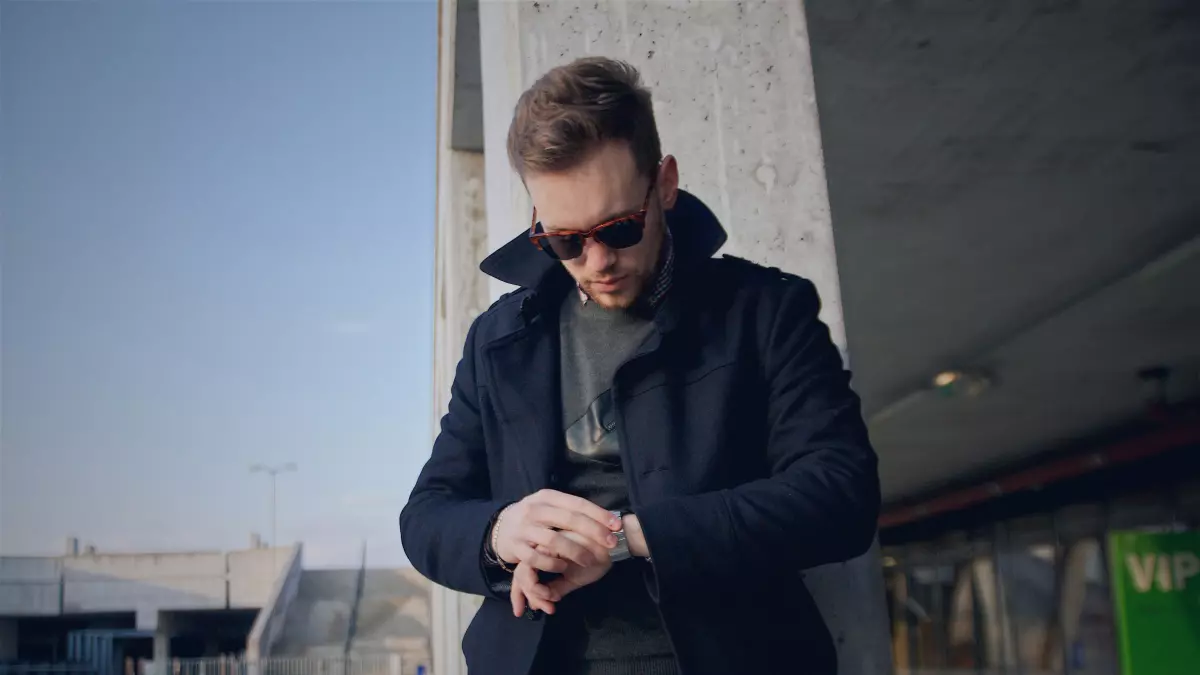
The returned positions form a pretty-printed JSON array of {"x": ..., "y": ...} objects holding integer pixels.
[{"x": 375, "y": 664}]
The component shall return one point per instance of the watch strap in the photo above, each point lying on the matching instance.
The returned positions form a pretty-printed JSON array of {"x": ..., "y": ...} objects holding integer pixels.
[{"x": 621, "y": 550}]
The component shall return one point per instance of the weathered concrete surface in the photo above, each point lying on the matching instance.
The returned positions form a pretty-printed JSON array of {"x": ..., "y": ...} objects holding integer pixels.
[
  {"x": 394, "y": 617},
  {"x": 733, "y": 94},
  {"x": 281, "y": 592},
  {"x": 165, "y": 628},
  {"x": 136, "y": 582},
  {"x": 318, "y": 620},
  {"x": 252, "y": 574},
  {"x": 113, "y": 583},
  {"x": 460, "y": 294},
  {"x": 734, "y": 97},
  {"x": 508, "y": 204},
  {"x": 995, "y": 170},
  {"x": 30, "y": 586}
]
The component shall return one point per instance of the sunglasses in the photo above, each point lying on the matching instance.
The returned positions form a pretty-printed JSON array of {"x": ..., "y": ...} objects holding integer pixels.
[{"x": 621, "y": 232}]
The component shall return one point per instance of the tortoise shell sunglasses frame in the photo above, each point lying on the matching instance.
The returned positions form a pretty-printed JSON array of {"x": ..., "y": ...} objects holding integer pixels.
[{"x": 617, "y": 233}]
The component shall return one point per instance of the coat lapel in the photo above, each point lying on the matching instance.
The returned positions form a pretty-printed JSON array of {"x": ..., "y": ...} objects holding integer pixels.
[{"x": 525, "y": 378}]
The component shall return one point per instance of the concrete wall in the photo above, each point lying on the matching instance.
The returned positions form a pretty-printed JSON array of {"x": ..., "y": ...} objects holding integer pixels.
[
  {"x": 394, "y": 614},
  {"x": 460, "y": 294},
  {"x": 318, "y": 622},
  {"x": 252, "y": 574},
  {"x": 268, "y": 626},
  {"x": 735, "y": 103},
  {"x": 30, "y": 586},
  {"x": 111, "y": 583}
]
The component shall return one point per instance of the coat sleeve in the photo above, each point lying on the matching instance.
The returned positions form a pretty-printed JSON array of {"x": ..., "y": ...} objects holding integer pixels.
[
  {"x": 446, "y": 519},
  {"x": 821, "y": 501}
]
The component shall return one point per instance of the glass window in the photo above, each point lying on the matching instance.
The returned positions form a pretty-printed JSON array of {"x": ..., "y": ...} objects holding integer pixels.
[
  {"x": 1030, "y": 577},
  {"x": 1086, "y": 610},
  {"x": 997, "y": 648},
  {"x": 925, "y": 611},
  {"x": 962, "y": 635},
  {"x": 897, "y": 594}
]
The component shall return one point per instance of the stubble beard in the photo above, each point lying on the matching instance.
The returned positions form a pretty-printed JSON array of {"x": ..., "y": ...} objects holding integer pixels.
[{"x": 615, "y": 302}]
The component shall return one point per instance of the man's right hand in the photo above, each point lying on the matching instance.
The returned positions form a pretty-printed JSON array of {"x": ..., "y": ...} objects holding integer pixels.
[{"x": 532, "y": 531}]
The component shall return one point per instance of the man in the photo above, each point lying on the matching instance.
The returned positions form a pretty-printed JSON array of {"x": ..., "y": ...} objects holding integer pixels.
[{"x": 644, "y": 445}]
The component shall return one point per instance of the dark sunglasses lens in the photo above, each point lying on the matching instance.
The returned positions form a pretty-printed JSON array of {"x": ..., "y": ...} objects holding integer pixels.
[
  {"x": 565, "y": 247},
  {"x": 621, "y": 234}
]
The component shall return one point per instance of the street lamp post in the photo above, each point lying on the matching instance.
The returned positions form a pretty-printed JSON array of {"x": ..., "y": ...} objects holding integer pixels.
[{"x": 273, "y": 471}]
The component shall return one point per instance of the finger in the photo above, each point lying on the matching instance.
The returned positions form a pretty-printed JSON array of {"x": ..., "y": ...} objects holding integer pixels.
[
  {"x": 527, "y": 591},
  {"x": 516, "y": 597},
  {"x": 548, "y": 515},
  {"x": 525, "y": 577},
  {"x": 534, "y": 588},
  {"x": 544, "y": 605},
  {"x": 567, "y": 548},
  {"x": 584, "y": 507},
  {"x": 602, "y": 555},
  {"x": 539, "y": 603},
  {"x": 541, "y": 561},
  {"x": 578, "y": 505}
]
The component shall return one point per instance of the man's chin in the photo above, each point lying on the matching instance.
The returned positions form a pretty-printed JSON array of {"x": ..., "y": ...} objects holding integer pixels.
[{"x": 613, "y": 300}]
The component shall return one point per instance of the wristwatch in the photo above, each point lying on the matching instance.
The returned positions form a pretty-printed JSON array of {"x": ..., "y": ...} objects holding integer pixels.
[{"x": 621, "y": 550}]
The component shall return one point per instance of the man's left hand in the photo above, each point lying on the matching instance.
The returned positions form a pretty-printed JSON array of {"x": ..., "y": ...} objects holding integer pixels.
[{"x": 527, "y": 590}]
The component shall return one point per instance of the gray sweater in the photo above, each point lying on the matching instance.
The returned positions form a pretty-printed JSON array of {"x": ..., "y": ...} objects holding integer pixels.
[{"x": 611, "y": 627}]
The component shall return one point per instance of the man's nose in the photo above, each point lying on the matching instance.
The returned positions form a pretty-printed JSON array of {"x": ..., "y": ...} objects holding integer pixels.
[{"x": 598, "y": 257}]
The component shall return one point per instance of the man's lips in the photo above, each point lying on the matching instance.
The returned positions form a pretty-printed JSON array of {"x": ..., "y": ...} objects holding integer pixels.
[{"x": 607, "y": 284}]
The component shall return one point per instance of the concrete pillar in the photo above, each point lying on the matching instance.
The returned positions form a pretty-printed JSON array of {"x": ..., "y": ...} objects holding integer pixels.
[
  {"x": 1073, "y": 588},
  {"x": 8, "y": 640},
  {"x": 735, "y": 102},
  {"x": 164, "y": 630},
  {"x": 162, "y": 648},
  {"x": 999, "y": 645},
  {"x": 460, "y": 294},
  {"x": 900, "y": 638}
]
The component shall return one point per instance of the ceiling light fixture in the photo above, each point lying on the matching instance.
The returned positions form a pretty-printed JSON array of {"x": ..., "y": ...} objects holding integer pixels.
[
  {"x": 964, "y": 383},
  {"x": 946, "y": 378}
]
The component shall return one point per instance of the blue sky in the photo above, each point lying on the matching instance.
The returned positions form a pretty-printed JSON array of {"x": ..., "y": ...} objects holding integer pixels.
[{"x": 217, "y": 250}]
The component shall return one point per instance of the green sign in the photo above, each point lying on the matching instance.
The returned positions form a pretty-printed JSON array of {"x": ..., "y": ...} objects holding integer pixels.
[{"x": 1156, "y": 590}]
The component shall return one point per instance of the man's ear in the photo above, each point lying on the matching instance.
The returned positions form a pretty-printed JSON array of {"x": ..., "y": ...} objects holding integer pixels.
[{"x": 668, "y": 182}]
